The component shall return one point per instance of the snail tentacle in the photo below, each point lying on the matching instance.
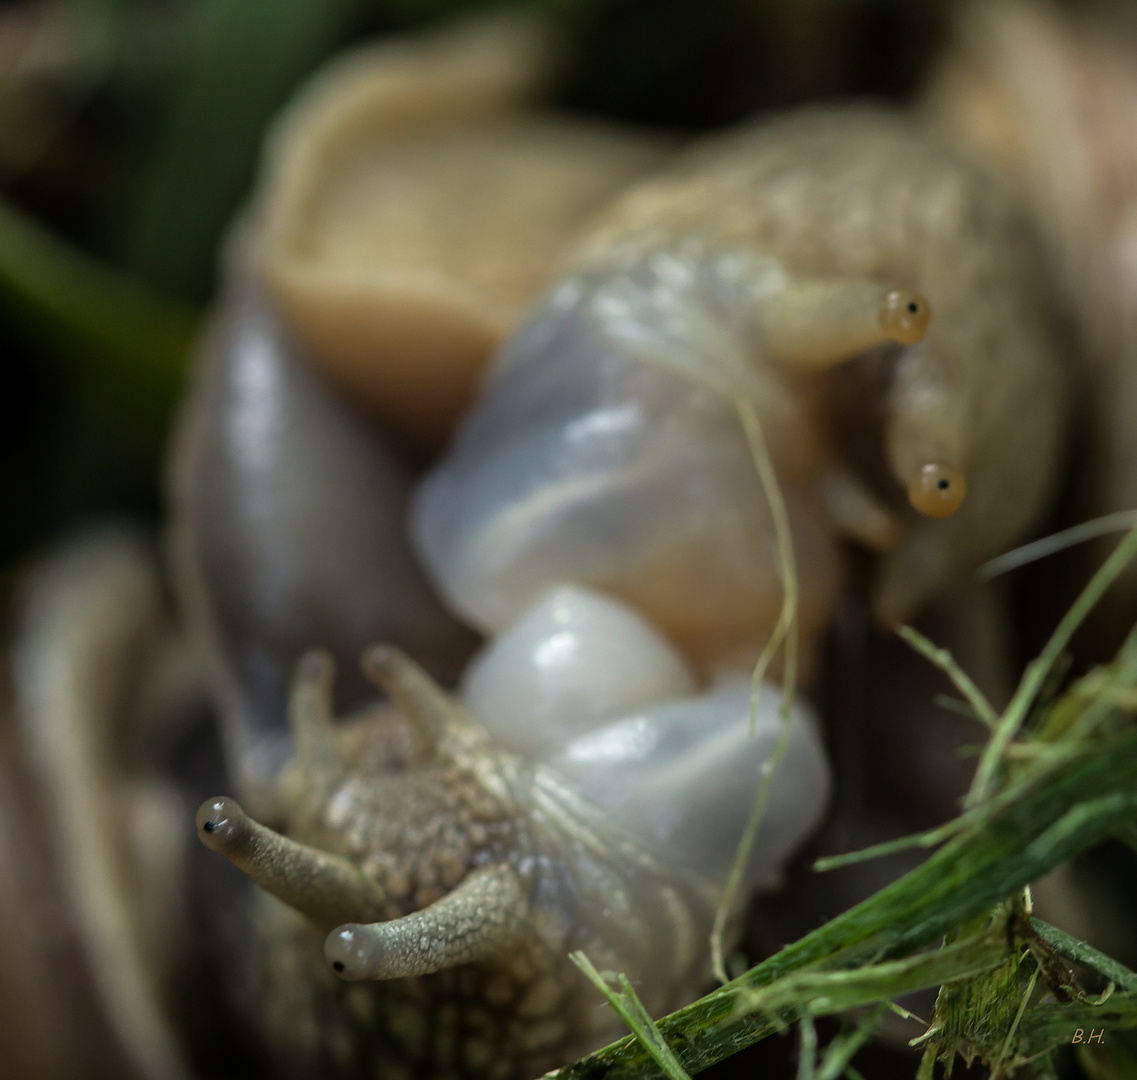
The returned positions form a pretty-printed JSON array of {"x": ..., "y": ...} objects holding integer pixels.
[
  {"x": 937, "y": 490},
  {"x": 816, "y": 323},
  {"x": 326, "y": 888},
  {"x": 483, "y": 917},
  {"x": 416, "y": 695},
  {"x": 855, "y": 512},
  {"x": 310, "y": 714},
  {"x": 928, "y": 429}
]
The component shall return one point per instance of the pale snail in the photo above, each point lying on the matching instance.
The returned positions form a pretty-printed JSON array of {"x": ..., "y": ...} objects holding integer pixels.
[
  {"x": 758, "y": 262},
  {"x": 424, "y": 846}
]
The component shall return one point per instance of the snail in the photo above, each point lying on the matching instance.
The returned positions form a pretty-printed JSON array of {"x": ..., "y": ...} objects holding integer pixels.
[
  {"x": 872, "y": 299},
  {"x": 104, "y": 685},
  {"x": 461, "y": 876}
]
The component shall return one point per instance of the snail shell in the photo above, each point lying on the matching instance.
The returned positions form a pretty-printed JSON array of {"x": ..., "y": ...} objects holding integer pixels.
[
  {"x": 605, "y": 448},
  {"x": 287, "y": 531},
  {"x": 414, "y": 202}
]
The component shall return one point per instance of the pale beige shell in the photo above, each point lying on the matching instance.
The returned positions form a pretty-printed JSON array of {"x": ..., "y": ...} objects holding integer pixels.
[{"x": 413, "y": 205}]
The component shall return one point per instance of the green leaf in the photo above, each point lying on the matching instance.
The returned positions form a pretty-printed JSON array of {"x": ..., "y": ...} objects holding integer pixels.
[
  {"x": 103, "y": 324},
  {"x": 246, "y": 57}
]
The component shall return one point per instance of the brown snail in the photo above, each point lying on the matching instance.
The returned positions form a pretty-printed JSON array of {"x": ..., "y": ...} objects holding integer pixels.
[
  {"x": 420, "y": 848},
  {"x": 402, "y": 813}
]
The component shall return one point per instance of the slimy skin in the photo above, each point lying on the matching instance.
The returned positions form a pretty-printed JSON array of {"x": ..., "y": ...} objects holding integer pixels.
[
  {"x": 816, "y": 323},
  {"x": 480, "y": 920},
  {"x": 979, "y": 396},
  {"x": 325, "y": 888},
  {"x": 762, "y": 265}
]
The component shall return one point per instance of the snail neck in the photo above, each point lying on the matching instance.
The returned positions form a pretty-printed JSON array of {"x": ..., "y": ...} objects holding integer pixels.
[{"x": 725, "y": 317}]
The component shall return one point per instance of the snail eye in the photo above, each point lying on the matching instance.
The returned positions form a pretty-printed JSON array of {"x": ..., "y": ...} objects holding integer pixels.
[
  {"x": 904, "y": 316},
  {"x": 938, "y": 490}
]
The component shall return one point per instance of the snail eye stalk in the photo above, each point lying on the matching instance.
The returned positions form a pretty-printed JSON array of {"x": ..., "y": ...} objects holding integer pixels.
[
  {"x": 326, "y": 888},
  {"x": 938, "y": 490},
  {"x": 482, "y": 918}
]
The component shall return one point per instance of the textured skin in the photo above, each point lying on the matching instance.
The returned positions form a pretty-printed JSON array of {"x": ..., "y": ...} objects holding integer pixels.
[
  {"x": 417, "y": 821},
  {"x": 864, "y": 192}
]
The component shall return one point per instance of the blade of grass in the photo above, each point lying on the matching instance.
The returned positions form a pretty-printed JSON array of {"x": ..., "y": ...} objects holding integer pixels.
[
  {"x": 954, "y": 705},
  {"x": 946, "y": 663},
  {"x": 1044, "y": 760},
  {"x": 1037, "y": 670},
  {"x": 889, "y": 847},
  {"x": 1121, "y": 521},
  {"x": 246, "y": 57},
  {"x": 807, "y": 1048},
  {"x": 842, "y": 1049},
  {"x": 1004, "y": 1050},
  {"x": 1019, "y": 842},
  {"x": 787, "y": 561},
  {"x": 630, "y": 1009},
  {"x": 1080, "y": 953},
  {"x": 785, "y": 630},
  {"x": 825, "y": 992},
  {"x": 100, "y": 321}
]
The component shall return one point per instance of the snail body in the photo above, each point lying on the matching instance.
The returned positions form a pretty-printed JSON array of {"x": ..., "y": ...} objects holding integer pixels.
[
  {"x": 461, "y": 876},
  {"x": 757, "y": 268},
  {"x": 287, "y": 530},
  {"x": 487, "y": 822}
]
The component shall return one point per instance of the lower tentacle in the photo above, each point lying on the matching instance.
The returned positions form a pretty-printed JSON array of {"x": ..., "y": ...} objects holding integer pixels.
[{"x": 482, "y": 918}]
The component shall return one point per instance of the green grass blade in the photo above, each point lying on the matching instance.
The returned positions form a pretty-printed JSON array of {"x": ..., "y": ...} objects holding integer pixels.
[
  {"x": 1050, "y": 819},
  {"x": 103, "y": 323},
  {"x": 631, "y": 1010},
  {"x": 1081, "y": 953},
  {"x": 1122, "y": 521},
  {"x": 946, "y": 663},
  {"x": 1038, "y": 669},
  {"x": 842, "y": 1049},
  {"x": 784, "y": 631},
  {"x": 246, "y": 57}
]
